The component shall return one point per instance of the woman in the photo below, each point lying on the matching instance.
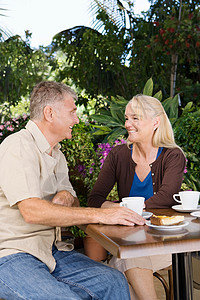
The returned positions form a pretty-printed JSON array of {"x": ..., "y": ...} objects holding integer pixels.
[{"x": 150, "y": 165}]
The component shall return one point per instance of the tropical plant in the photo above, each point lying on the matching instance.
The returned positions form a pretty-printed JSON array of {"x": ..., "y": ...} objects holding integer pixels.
[
  {"x": 120, "y": 53},
  {"x": 95, "y": 61},
  {"x": 110, "y": 119},
  {"x": 20, "y": 69},
  {"x": 4, "y": 33},
  {"x": 187, "y": 135}
]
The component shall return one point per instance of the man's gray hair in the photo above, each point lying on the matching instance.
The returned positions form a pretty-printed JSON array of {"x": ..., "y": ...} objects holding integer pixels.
[{"x": 47, "y": 93}]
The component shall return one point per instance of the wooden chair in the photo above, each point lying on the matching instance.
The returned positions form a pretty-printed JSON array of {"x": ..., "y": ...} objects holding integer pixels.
[{"x": 168, "y": 287}]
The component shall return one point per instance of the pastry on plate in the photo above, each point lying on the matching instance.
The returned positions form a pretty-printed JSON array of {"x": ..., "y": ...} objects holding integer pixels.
[{"x": 166, "y": 220}]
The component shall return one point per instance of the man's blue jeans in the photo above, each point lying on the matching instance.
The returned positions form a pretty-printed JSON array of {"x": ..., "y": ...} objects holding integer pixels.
[{"x": 23, "y": 276}]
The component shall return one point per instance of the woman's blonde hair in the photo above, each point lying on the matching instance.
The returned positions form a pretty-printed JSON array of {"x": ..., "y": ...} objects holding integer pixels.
[{"x": 144, "y": 106}]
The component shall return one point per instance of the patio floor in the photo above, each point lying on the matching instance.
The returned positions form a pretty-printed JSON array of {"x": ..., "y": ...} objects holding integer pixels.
[{"x": 160, "y": 290}]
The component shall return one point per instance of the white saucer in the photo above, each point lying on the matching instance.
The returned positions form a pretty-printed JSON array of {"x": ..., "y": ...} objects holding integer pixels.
[
  {"x": 170, "y": 227},
  {"x": 146, "y": 215},
  {"x": 196, "y": 214},
  {"x": 169, "y": 234},
  {"x": 180, "y": 208}
]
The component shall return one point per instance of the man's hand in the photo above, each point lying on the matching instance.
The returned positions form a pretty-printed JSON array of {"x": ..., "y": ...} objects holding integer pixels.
[
  {"x": 65, "y": 198},
  {"x": 120, "y": 215}
]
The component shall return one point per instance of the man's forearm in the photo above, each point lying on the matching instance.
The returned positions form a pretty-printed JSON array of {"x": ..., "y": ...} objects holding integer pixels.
[{"x": 37, "y": 211}]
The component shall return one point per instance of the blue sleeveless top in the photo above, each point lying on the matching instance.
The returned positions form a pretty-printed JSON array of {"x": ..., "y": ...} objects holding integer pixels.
[{"x": 143, "y": 188}]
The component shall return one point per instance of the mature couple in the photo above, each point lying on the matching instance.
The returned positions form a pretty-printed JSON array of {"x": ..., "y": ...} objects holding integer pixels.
[{"x": 37, "y": 198}]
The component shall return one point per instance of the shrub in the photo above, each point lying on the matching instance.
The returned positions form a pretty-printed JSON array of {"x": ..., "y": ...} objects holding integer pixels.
[
  {"x": 84, "y": 161},
  {"x": 80, "y": 155},
  {"x": 187, "y": 135},
  {"x": 12, "y": 125}
]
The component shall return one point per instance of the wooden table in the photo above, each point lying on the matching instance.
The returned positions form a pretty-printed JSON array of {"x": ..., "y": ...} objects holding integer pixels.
[{"x": 137, "y": 241}]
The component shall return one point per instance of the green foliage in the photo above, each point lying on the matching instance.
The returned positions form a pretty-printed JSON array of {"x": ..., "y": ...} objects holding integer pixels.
[
  {"x": 82, "y": 159},
  {"x": 129, "y": 49},
  {"x": 178, "y": 34},
  {"x": 171, "y": 107},
  {"x": 176, "y": 37},
  {"x": 84, "y": 164},
  {"x": 95, "y": 61},
  {"x": 110, "y": 120},
  {"x": 187, "y": 135},
  {"x": 12, "y": 125},
  {"x": 76, "y": 231},
  {"x": 20, "y": 69}
]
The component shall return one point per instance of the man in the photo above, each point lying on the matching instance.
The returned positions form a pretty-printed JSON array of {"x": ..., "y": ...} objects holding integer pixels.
[{"x": 36, "y": 198}]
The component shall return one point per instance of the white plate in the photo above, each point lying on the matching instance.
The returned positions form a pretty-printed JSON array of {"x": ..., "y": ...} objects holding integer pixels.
[
  {"x": 170, "y": 227},
  {"x": 196, "y": 214},
  {"x": 180, "y": 208},
  {"x": 146, "y": 214}
]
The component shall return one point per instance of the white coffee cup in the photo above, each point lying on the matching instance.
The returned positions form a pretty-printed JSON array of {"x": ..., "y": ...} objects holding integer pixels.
[
  {"x": 188, "y": 199},
  {"x": 134, "y": 203}
]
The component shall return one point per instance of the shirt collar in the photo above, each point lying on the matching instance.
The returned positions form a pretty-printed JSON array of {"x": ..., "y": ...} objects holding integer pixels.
[{"x": 39, "y": 138}]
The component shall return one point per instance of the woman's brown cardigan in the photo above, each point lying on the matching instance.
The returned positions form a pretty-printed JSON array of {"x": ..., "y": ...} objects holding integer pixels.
[{"x": 167, "y": 176}]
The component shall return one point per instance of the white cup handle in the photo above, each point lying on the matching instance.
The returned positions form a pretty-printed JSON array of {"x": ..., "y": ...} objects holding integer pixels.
[
  {"x": 174, "y": 196},
  {"x": 124, "y": 204}
]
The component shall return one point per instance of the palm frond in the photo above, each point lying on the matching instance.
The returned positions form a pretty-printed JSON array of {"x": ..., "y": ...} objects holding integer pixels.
[
  {"x": 4, "y": 33},
  {"x": 115, "y": 10}
]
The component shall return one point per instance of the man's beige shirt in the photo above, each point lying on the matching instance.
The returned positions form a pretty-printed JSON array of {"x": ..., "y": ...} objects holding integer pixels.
[{"x": 26, "y": 171}]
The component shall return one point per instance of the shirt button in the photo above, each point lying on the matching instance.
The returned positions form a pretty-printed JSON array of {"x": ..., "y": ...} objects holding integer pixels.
[
  {"x": 150, "y": 166},
  {"x": 153, "y": 183},
  {"x": 152, "y": 174},
  {"x": 154, "y": 193}
]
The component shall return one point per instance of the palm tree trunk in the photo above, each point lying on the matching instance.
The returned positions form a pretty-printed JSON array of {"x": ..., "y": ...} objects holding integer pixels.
[{"x": 174, "y": 62}]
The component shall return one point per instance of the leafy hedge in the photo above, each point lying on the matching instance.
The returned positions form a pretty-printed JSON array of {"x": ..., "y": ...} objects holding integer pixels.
[{"x": 187, "y": 135}]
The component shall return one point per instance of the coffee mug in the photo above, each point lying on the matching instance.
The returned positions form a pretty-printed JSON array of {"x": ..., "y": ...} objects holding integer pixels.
[
  {"x": 134, "y": 203},
  {"x": 188, "y": 199}
]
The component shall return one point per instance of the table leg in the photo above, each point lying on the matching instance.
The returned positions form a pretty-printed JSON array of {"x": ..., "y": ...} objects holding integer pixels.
[{"x": 182, "y": 276}]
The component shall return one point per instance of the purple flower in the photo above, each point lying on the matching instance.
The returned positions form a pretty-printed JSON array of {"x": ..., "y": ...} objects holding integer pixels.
[
  {"x": 123, "y": 141},
  {"x": 91, "y": 170},
  {"x": 102, "y": 161},
  {"x": 100, "y": 146},
  {"x": 104, "y": 149},
  {"x": 81, "y": 168}
]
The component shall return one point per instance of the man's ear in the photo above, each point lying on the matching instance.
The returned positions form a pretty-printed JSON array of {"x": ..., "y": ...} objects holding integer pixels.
[
  {"x": 48, "y": 113},
  {"x": 156, "y": 122}
]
